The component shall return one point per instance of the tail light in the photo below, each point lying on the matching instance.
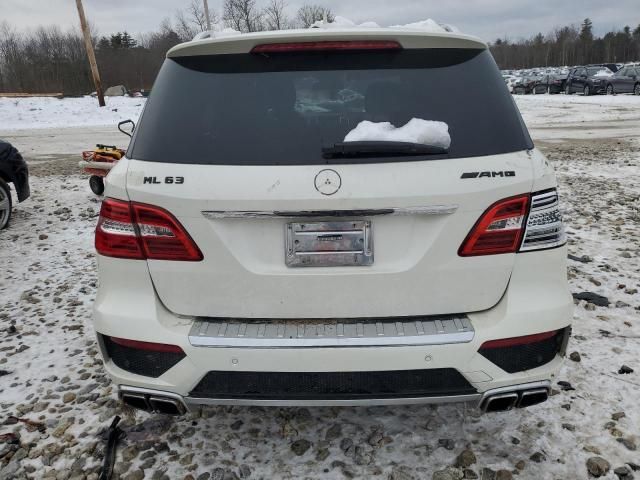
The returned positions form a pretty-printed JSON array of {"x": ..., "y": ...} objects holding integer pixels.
[
  {"x": 517, "y": 224},
  {"x": 138, "y": 231},
  {"x": 545, "y": 228},
  {"x": 499, "y": 230}
]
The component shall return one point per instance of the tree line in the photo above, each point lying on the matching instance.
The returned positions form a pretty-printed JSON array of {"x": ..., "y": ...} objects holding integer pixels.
[
  {"x": 48, "y": 59},
  {"x": 568, "y": 46}
]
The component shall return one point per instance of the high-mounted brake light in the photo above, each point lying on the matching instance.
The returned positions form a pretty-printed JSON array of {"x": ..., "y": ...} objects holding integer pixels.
[
  {"x": 327, "y": 45},
  {"x": 499, "y": 229},
  {"x": 139, "y": 231}
]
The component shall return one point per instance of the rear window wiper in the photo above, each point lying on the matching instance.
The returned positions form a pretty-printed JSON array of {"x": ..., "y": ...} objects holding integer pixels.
[{"x": 380, "y": 149}]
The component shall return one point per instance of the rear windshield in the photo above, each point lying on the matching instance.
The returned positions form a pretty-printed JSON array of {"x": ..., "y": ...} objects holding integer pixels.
[{"x": 282, "y": 109}]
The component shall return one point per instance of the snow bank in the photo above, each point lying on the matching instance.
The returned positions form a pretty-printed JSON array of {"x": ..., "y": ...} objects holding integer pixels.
[
  {"x": 427, "y": 132},
  {"x": 46, "y": 112}
]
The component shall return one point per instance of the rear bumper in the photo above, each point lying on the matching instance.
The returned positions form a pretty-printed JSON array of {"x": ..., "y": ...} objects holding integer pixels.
[
  {"x": 169, "y": 402},
  {"x": 536, "y": 300}
]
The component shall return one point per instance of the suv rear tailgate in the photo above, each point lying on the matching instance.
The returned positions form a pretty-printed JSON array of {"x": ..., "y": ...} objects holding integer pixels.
[{"x": 416, "y": 271}]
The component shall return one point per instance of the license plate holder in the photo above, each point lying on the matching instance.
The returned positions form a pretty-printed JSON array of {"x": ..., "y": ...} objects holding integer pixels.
[{"x": 329, "y": 244}]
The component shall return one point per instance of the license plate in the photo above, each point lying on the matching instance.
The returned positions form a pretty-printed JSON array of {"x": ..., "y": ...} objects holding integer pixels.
[{"x": 329, "y": 244}]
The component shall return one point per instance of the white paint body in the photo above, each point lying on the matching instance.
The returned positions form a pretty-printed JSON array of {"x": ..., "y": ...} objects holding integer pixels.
[{"x": 417, "y": 269}]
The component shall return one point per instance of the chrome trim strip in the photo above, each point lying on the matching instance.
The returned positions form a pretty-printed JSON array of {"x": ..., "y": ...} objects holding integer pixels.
[
  {"x": 366, "y": 212},
  {"x": 237, "y": 333},
  {"x": 194, "y": 402}
]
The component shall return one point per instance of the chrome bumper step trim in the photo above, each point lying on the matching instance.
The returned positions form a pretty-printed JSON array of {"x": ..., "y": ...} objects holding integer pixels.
[{"x": 238, "y": 333}]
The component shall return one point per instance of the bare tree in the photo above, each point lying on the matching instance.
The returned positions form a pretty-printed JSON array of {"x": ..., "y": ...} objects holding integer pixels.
[
  {"x": 275, "y": 16},
  {"x": 243, "y": 15},
  {"x": 309, "y": 14},
  {"x": 192, "y": 20}
]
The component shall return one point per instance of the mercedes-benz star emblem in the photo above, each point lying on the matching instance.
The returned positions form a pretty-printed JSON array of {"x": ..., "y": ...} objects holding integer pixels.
[{"x": 328, "y": 182}]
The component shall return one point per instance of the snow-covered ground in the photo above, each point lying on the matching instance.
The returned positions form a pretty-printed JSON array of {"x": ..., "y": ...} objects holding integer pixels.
[
  {"x": 555, "y": 110},
  {"x": 539, "y": 110},
  {"x": 40, "y": 112},
  {"x": 56, "y": 401}
]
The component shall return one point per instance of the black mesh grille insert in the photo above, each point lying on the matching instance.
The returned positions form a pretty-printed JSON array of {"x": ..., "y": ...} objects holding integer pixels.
[
  {"x": 141, "y": 362},
  {"x": 333, "y": 385},
  {"x": 525, "y": 357}
]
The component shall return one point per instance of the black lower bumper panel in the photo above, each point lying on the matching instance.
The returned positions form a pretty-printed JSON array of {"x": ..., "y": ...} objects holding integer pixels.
[{"x": 333, "y": 385}]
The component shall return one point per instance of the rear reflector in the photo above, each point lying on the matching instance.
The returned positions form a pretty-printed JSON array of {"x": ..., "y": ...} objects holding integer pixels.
[
  {"x": 138, "y": 231},
  {"x": 516, "y": 341},
  {"x": 518, "y": 354},
  {"x": 499, "y": 229},
  {"x": 142, "y": 358},
  {"x": 147, "y": 346},
  {"x": 322, "y": 46}
]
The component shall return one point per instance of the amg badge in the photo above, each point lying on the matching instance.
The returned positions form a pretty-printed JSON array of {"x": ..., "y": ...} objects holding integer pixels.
[{"x": 502, "y": 173}]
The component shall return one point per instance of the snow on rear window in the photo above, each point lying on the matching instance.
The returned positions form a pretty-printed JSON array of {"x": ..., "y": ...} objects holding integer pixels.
[{"x": 416, "y": 130}]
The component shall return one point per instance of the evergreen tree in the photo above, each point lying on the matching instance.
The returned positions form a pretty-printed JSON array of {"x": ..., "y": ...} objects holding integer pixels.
[
  {"x": 103, "y": 44},
  {"x": 116, "y": 40},
  {"x": 586, "y": 31},
  {"x": 128, "y": 41}
]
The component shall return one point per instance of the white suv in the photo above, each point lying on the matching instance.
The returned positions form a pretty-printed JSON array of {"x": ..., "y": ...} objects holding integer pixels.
[{"x": 251, "y": 252}]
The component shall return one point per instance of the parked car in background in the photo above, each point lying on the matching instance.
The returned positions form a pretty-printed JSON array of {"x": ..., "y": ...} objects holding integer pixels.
[
  {"x": 625, "y": 80},
  {"x": 525, "y": 85},
  {"x": 611, "y": 66},
  {"x": 552, "y": 83},
  {"x": 539, "y": 87},
  {"x": 587, "y": 80},
  {"x": 509, "y": 80},
  {"x": 13, "y": 169}
]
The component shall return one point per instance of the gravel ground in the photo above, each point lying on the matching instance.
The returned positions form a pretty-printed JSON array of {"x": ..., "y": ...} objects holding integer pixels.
[{"x": 56, "y": 401}]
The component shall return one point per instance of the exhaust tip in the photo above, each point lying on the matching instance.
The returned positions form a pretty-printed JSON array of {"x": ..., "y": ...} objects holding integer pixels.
[
  {"x": 153, "y": 403},
  {"x": 500, "y": 403},
  {"x": 168, "y": 406},
  {"x": 533, "y": 397},
  {"x": 136, "y": 401}
]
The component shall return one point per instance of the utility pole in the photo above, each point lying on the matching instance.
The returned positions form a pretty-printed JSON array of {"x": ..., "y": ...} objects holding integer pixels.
[
  {"x": 90, "y": 54},
  {"x": 206, "y": 14}
]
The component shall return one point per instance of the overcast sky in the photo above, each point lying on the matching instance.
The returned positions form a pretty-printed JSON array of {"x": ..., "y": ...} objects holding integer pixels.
[{"x": 488, "y": 19}]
